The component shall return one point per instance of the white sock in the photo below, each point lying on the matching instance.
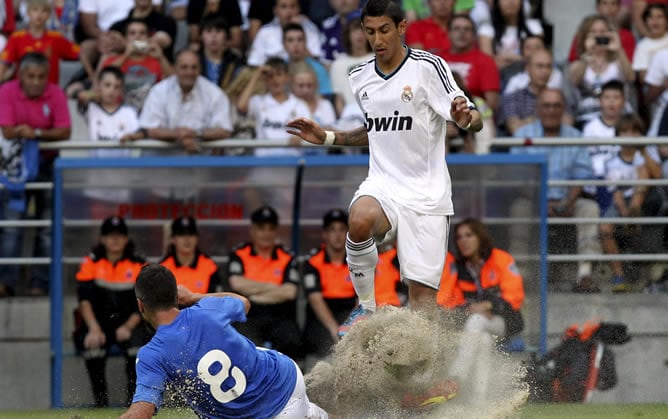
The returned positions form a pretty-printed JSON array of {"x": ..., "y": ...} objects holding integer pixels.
[{"x": 362, "y": 259}]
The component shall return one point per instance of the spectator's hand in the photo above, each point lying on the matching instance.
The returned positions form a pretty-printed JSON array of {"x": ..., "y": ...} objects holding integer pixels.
[
  {"x": 123, "y": 333},
  {"x": 184, "y": 132},
  {"x": 154, "y": 50},
  {"x": 190, "y": 145},
  {"x": 460, "y": 112},
  {"x": 130, "y": 137},
  {"x": 85, "y": 96},
  {"x": 615, "y": 44},
  {"x": 589, "y": 45},
  {"x": 307, "y": 130},
  {"x": 24, "y": 131},
  {"x": 94, "y": 339}
]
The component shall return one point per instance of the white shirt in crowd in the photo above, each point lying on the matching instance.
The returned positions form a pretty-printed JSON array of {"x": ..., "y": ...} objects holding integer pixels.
[
  {"x": 645, "y": 50},
  {"x": 656, "y": 76},
  {"x": 510, "y": 41},
  {"x": 269, "y": 42},
  {"x": 104, "y": 126},
  {"x": 521, "y": 81},
  {"x": 617, "y": 169},
  {"x": 405, "y": 116},
  {"x": 270, "y": 119},
  {"x": 109, "y": 11},
  {"x": 600, "y": 154}
]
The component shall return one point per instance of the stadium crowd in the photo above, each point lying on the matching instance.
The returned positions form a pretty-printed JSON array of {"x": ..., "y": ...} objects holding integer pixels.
[
  {"x": 185, "y": 72},
  {"x": 189, "y": 71}
]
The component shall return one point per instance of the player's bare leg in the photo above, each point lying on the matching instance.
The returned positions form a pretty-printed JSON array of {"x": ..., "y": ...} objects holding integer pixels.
[
  {"x": 367, "y": 221},
  {"x": 421, "y": 297}
]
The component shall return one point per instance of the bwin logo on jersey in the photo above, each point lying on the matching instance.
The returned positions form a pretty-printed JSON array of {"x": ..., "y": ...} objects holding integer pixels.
[{"x": 389, "y": 123}]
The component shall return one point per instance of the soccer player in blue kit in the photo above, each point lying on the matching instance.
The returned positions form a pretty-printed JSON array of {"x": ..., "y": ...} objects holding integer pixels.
[{"x": 219, "y": 372}]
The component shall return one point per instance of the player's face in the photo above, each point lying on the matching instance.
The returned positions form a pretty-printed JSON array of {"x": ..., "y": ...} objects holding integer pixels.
[
  {"x": 38, "y": 15},
  {"x": 384, "y": 36},
  {"x": 33, "y": 80},
  {"x": 213, "y": 39},
  {"x": 334, "y": 236},
  {"x": 114, "y": 242},
  {"x": 461, "y": 34},
  {"x": 111, "y": 89},
  {"x": 286, "y": 10},
  {"x": 612, "y": 103},
  {"x": 186, "y": 243},
  {"x": 304, "y": 85},
  {"x": 468, "y": 244},
  {"x": 264, "y": 235},
  {"x": 294, "y": 43}
]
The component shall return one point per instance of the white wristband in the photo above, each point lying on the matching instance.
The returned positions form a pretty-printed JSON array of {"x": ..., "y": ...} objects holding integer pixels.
[{"x": 330, "y": 137}]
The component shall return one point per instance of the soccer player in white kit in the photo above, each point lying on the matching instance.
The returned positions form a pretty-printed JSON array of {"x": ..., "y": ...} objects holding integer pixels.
[{"x": 407, "y": 96}]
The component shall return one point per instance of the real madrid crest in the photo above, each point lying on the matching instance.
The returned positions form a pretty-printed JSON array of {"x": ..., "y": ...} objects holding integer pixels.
[{"x": 407, "y": 94}]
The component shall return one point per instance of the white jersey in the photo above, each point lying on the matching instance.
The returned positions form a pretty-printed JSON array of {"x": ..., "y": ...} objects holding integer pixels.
[
  {"x": 619, "y": 169},
  {"x": 600, "y": 154},
  {"x": 406, "y": 113},
  {"x": 105, "y": 126}
]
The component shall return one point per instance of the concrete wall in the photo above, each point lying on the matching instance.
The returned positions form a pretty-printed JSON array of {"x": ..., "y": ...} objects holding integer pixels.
[{"x": 641, "y": 364}]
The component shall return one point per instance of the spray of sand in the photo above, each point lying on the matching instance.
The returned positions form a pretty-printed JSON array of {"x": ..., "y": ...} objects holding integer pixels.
[{"x": 398, "y": 351}]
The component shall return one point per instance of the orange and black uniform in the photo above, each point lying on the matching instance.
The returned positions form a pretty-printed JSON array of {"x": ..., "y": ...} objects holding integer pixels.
[
  {"x": 388, "y": 279},
  {"x": 499, "y": 282},
  {"x": 274, "y": 324},
  {"x": 333, "y": 281},
  {"x": 109, "y": 287},
  {"x": 202, "y": 276}
]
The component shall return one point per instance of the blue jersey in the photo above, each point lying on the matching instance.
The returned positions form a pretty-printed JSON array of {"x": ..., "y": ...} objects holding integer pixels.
[{"x": 220, "y": 372}]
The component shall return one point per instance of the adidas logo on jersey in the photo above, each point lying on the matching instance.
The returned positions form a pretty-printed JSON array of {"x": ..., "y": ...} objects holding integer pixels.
[
  {"x": 389, "y": 123},
  {"x": 364, "y": 96}
]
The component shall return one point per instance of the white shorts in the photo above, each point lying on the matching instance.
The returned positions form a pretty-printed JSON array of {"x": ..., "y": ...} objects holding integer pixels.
[
  {"x": 299, "y": 405},
  {"x": 422, "y": 239}
]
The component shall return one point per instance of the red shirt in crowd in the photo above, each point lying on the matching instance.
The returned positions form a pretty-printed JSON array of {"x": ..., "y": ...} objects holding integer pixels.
[
  {"x": 625, "y": 37},
  {"x": 52, "y": 44},
  {"x": 428, "y": 33},
  {"x": 477, "y": 69}
]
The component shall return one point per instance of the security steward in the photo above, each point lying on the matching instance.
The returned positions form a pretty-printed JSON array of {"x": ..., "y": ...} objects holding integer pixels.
[
  {"x": 329, "y": 290},
  {"x": 107, "y": 314},
  {"x": 265, "y": 273},
  {"x": 390, "y": 290},
  {"x": 191, "y": 267}
]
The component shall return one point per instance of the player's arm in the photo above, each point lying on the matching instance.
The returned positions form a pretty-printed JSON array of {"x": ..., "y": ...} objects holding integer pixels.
[
  {"x": 187, "y": 298},
  {"x": 465, "y": 117},
  {"x": 139, "y": 410},
  {"x": 309, "y": 130}
]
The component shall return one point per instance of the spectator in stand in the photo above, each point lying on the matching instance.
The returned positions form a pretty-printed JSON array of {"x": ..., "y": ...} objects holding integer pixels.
[
  {"x": 515, "y": 76},
  {"x": 389, "y": 288},
  {"x": 333, "y": 27},
  {"x": 266, "y": 274},
  {"x": 600, "y": 59},
  {"x": 7, "y": 22},
  {"x": 200, "y": 111},
  {"x": 431, "y": 34},
  {"x": 501, "y": 37},
  {"x": 108, "y": 119},
  {"x": 192, "y": 268},
  {"x": 142, "y": 62},
  {"x": 36, "y": 38},
  {"x": 564, "y": 163},
  {"x": 519, "y": 108},
  {"x": 656, "y": 95},
  {"x": 610, "y": 10},
  {"x": 655, "y": 19},
  {"x": 220, "y": 64},
  {"x": 305, "y": 87},
  {"x": 260, "y": 12},
  {"x": 478, "y": 69},
  {"x": 327, "y": 285},
  {"x": 31, "y": 110},
  {"x": 294, "y": 43},
  {"x": 161, "y": 28},
  {"x": 92, "y": 31},
  {"x": 107, "y": 314},
  {"x": 273, "y": 109},
  {"x": 638, "y": 22},
  {"x": 630, "y": 163},
  {"x": 269, "y": 39},
  {"x": 228, "y": 10},
  {"x": 484, "y": 288},
  {"x": 356, "y": 51}
]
